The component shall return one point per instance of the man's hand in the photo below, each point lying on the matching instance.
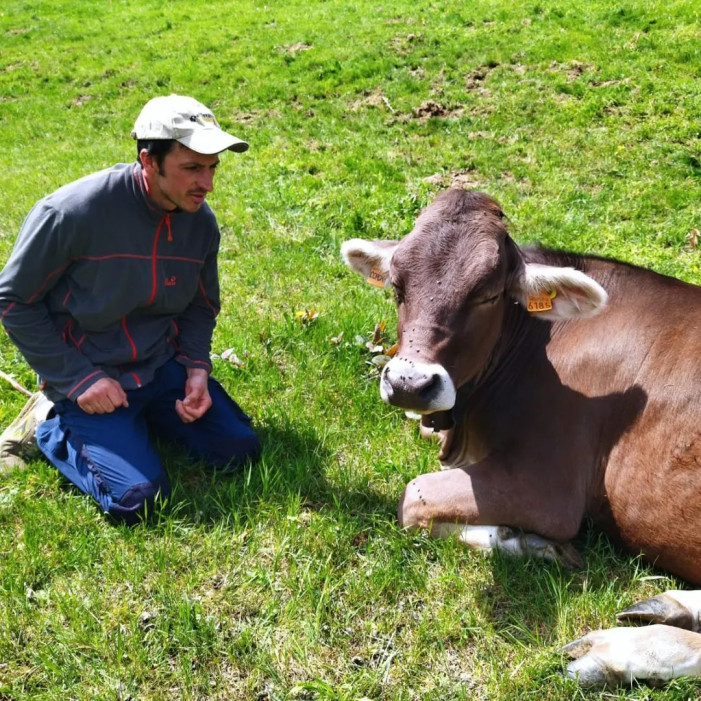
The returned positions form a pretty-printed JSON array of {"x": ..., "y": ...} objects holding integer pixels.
[
  {"x": 197, "y": 400},
  {"x": 103, "y": 397}
]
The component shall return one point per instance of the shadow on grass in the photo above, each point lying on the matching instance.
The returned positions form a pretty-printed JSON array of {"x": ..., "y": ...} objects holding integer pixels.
[
  {"x": 529, "y": 599},
  {"x": 292, "y": 470}
]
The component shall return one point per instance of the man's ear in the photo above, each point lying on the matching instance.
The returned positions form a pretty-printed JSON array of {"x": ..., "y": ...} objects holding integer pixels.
[
  {"x": 147, "y": 162},
  {"x": 369, "y": 258},
  {"x": 556, "y": 293}
]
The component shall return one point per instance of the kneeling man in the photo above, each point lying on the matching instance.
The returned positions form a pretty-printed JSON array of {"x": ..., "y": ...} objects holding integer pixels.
[{"x": 111, "y": 294}]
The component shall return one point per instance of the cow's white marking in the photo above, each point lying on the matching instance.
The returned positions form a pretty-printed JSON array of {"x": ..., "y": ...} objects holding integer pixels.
[
  {"x": 509, "y": 541},
  {"x": 405, "y": 373}
]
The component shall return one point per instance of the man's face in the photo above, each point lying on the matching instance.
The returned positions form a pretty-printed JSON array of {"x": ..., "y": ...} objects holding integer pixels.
[{"x": 183, "y": 180}]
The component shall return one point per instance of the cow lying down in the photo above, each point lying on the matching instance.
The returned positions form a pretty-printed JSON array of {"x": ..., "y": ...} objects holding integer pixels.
[{"x": 558, "y": 385}]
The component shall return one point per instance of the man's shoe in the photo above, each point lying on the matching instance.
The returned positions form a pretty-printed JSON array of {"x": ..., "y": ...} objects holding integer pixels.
[{"x": 18, "y": 444}]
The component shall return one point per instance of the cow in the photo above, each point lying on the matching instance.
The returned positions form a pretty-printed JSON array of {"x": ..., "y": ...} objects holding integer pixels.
[{"x": 557, "y": 385}]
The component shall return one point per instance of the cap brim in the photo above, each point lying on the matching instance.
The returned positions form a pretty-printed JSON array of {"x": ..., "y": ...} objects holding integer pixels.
[{"x": 210, "y": 141}]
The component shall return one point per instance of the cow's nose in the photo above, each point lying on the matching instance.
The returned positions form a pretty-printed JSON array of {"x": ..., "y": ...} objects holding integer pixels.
[
  {"x": 412, "y": 384},
  {"x": 417, "y": 386},
  {"x": 409, "y": 386}
]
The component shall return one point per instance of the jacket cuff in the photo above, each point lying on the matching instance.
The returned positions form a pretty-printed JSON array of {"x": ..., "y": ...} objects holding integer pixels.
[
  {"x": 192, "y": 363},
  {"x": 84, "y": 384}
]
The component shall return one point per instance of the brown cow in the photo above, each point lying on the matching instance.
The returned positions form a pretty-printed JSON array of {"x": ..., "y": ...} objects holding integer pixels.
[{"x": 558, "y": 385}]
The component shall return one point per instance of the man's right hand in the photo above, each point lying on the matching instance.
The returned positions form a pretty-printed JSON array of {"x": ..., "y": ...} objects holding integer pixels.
[{"x": 103, "y": 397}]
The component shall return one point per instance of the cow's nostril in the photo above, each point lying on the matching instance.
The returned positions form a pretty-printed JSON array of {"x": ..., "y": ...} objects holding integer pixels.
[{"x": 427, "y": 385}]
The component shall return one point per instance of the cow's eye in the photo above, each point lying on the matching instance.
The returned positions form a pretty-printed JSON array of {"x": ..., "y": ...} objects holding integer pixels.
[
  {"x": 398, "y": 294},
  {"x": 490, "y": 300}
]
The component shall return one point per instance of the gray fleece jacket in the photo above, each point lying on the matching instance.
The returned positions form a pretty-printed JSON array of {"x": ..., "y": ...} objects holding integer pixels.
[{"x": 104, "y": 283}]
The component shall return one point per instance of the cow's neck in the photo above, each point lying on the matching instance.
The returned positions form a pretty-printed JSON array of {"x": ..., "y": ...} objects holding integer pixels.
[{"x": 521, "y": 335}]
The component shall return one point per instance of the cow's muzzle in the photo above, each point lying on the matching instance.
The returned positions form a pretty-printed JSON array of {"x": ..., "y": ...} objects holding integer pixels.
[{"x": 421, "y": 387}]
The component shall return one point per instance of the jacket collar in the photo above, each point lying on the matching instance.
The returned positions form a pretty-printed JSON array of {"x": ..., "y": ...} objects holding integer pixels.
[{"x": 141, "y": 192}]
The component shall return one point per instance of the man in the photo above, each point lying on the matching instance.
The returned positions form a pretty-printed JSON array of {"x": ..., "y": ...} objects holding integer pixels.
[{"x": 111, "y": 294}]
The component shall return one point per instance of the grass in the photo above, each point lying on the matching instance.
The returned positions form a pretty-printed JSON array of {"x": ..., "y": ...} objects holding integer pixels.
[{"x": 292, "y": 581}]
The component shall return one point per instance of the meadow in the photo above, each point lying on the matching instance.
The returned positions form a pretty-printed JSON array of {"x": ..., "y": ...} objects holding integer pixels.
[{"x": 292, "y": 579}]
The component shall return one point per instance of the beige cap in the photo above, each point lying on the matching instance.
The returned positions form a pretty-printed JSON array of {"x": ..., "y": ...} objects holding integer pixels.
[{"x": 187, "y": 121}]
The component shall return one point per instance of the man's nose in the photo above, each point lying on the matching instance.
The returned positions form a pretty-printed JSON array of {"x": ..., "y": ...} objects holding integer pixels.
[{"x": 206, "y": 181}]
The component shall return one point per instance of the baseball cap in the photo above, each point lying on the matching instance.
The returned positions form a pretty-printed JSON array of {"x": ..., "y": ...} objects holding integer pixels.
[{"x": 187, "y": 121}]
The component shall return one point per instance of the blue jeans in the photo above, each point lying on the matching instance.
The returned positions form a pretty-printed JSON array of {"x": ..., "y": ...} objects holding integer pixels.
[{"x": 111, "y": 457}]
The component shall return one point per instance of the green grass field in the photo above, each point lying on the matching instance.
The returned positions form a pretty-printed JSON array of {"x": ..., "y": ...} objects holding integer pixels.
[{"x": 293, "y": 581}]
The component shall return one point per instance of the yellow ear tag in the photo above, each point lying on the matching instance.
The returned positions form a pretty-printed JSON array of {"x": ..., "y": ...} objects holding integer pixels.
[
  {"x": 542, "y": 302},
  {"x": 376, "y": 277}
]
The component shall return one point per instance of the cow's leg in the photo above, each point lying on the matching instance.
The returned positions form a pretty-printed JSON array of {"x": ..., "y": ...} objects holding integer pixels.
[
  {"x": 471, "y": 504},
  {"x": 616, "y": 656},
  {"x": 670, "y": 648}
]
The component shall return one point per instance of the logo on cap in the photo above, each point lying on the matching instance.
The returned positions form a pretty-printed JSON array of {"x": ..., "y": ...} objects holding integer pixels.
[{"x": 204, "y": 119}]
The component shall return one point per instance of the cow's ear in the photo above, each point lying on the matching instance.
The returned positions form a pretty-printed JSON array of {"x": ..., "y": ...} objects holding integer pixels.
[
  {"x": 558, "y": 293},
  {"x": 369, "y": 258}
]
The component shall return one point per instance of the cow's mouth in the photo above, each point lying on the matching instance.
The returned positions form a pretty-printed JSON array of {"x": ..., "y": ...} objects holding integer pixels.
[{"x": 438, "y": 420}]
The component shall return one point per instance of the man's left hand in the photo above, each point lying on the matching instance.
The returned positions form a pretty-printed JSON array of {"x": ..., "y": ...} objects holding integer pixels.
[{"x": 197, "y": 400}]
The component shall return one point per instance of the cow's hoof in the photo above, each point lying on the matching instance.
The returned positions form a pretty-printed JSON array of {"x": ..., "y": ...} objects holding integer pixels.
[
  {"x": 587, "y": 670},
  {"x": 664, "y": 608},
  {"x": 564, "y": 553},
  {"x": 568, "y": 556}
]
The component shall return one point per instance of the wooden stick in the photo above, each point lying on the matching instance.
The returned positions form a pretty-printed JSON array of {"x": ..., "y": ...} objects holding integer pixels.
[{"x": 15, "y": 384}]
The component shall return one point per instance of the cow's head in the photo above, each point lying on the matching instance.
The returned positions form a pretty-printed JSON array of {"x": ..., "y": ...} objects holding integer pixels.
[{"x": 453, "y": 277}]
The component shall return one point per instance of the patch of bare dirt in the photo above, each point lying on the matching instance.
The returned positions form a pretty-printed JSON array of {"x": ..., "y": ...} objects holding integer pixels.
[
  {"x": 372, "y": 99},
  {"x": 474, "y": 81},
  {"x": 400, "y": 20},
  {"x": 573, "y": 69},
  {"x": 253, "y": 117},
  {"x": 431, "y": 108},
  {"x": 293, "y": 49},
  {"x": 80, "y": 100},
  {"x": 476, "y": 77},
  {"x": 607, "y": 83},
  {"x": 462, "y": 179},
  {"x": 403, "y": 44},
  {"x": 22, "y": 64}
]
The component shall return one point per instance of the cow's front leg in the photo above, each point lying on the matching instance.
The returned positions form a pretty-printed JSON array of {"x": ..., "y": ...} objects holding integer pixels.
[
  {"x": 471, "y": 504},
  {"x": 618, "y": 656}
]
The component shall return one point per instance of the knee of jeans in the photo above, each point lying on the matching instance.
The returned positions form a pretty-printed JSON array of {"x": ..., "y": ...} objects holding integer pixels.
[
  {"x": 139, "y": 499},
  {"x": 243, "y": 449},
  {"x": 250, "y": 448}
]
